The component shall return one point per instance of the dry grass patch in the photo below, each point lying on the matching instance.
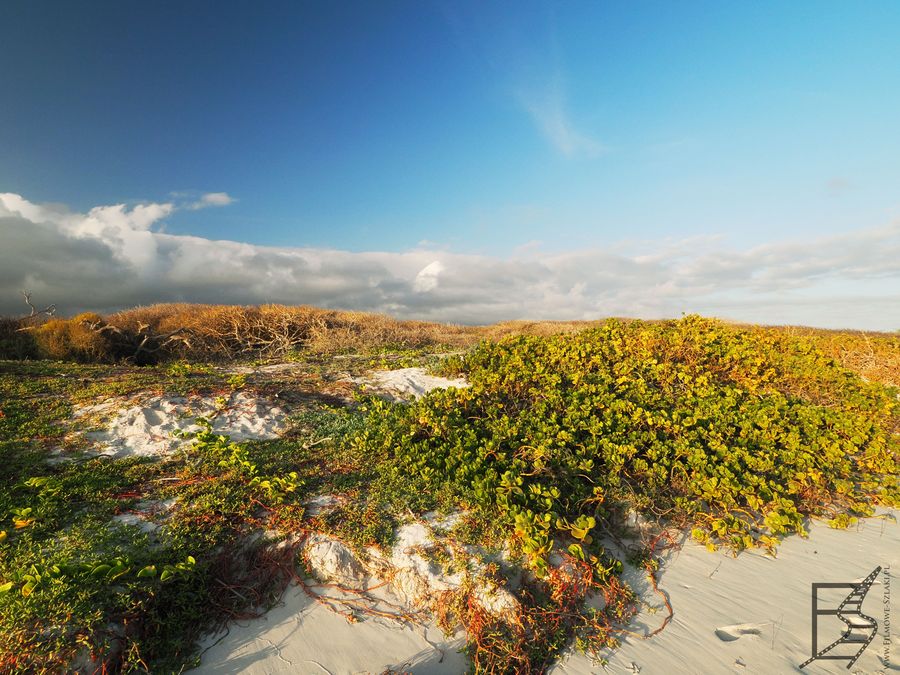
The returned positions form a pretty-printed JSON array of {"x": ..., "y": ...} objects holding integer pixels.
[
  {"x": 228, "y": 332},
  {"x": 221, "y": 333},
  {"x": 875, "y": 356}
]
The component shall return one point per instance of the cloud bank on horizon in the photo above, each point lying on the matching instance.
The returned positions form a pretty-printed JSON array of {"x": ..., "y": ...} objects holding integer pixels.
[{"x": 118, "y": 256}]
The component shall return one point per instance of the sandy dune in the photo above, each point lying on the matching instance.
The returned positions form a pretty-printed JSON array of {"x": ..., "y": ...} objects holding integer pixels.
[{"x": 749, "y": 614}]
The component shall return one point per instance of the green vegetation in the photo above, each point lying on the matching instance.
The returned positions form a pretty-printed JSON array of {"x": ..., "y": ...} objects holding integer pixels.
[
  {"x": 735, "y": 434},
  {"x": 78, "y": 587}
]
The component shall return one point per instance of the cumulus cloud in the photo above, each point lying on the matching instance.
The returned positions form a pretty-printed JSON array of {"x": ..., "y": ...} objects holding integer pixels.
[
  {"x": 113, "y": 257},
  {"x": 427, "y": 278}
]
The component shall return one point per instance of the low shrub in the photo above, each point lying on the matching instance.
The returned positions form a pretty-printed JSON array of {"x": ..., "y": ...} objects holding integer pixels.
[
  {"x": 737, "y": 434},
  {"x": 228, "y": 332},
  {"x": 16, "y": 343},
  {"x": 217, "y": 333},
  {"x": 73, "y": 340}
]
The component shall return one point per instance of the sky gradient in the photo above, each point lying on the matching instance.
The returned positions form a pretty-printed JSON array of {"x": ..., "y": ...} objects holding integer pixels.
[{"x": 455, "y": 161}]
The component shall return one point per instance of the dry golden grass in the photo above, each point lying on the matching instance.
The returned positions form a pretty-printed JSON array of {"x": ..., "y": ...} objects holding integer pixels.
[
  {"x": 875, "y": 356},
  {"x": 228, "y": 332},
  {"x": 540, "y": 328},
  {"x": 224, "y": 332},
  {"x": 72, "y": 339}
]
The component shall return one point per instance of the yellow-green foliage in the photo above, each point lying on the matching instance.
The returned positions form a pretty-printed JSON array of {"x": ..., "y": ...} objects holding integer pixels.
[
  {"x": 226, "y": 332},
  {"x": 740, "y": 433},
  {"x": 73, "y": 340},
  {"x": 236, "y": 459}
]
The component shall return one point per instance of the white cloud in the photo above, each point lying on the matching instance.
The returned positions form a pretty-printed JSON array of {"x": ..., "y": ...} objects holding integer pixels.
[
  {"x": 113, "y": 257},
  {"x": 427, "y": 278},
  {"x": 212, "y": 199},
  {"x": 527, "y": 59},
  {"x": 548, "y": 108}
]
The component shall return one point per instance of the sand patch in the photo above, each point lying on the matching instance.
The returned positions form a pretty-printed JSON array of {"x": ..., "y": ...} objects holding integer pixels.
[
  {"x": 410, "y": 569},
  {"x": 321, "y": 505},
  {"x": 405, "y": 383},
  {"x": 302, "y": 635},
  {"x": 147, "y": 516},
  {"x": 147, "y": 428},
  {"x": 752, "y": 613}
]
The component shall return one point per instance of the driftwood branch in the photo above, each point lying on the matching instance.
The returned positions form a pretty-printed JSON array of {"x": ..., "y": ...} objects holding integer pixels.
[
  {"x": 49, "y": 310},
  {"x": 162, "y": 341},
  {"x": 143, "y": 341}
]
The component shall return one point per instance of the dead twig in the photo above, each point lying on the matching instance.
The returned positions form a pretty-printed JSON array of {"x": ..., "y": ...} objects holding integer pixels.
[{"x": 49, "y": 310}]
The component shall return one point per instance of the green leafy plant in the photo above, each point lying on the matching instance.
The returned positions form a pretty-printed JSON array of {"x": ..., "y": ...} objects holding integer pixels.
[
  {"x": 739, "y": 434},
  {"x": 236, "y": 459},
  {"x": 186, "y": 369},
  {"x": 238, "y": 381},
  {"x": 179, "y": 569}
]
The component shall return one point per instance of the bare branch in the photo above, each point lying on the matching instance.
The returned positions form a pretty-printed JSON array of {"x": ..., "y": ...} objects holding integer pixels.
[
  {"x": 28, "y": 302},
  {"x": 49, "y": 310}
]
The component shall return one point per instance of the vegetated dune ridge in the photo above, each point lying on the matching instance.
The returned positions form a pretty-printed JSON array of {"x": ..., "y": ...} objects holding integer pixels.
[
  {"x": 571, "y": 469},
  {"x": 227, "y": 332}
]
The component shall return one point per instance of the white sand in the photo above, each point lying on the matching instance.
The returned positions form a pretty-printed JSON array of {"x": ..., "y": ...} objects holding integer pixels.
[
  {"x": 752, "y": 614},
  {"x": 749, "y": 614},
  {"x": 405, "y": 383},
  {"x": 411, "y": 577},
  {"x": 302, "y": 636},
  {"x": 146, "y": 428},
  {"x": 302, "y": 633}
]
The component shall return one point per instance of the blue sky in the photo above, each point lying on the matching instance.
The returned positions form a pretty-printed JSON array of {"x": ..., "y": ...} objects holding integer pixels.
[{"x": 505, "y": 131}]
